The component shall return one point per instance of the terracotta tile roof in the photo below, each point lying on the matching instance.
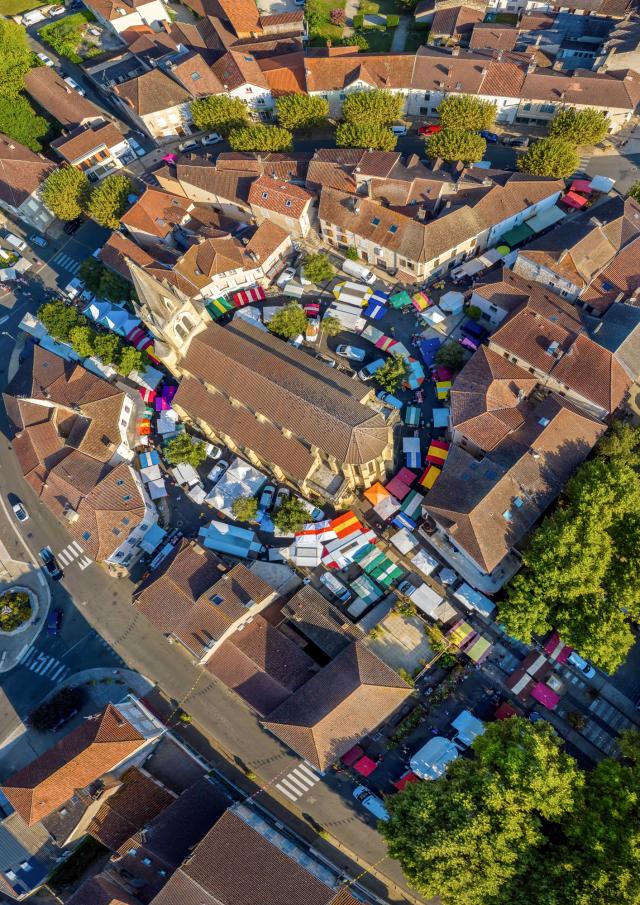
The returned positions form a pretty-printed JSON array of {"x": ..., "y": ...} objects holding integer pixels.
[
  {"x": 320, "y": 621},
  {"x": 505, "y": 289},
  {"x": 279, "y": 197},
  {"x": 610, "y": 90},
  {"x": 152, "y": 92},
  {"x": 243, "y": 428},
  {"x": 489, "y": 35},
  {"x": 230, "y": 185},
  {"x": 294, "y": 18},
  {"x": 531, "y": 466},
  {"x": 236, "y": 865},
  {"x": 148, "y": 44},
  {"x": 236, "y": 69},
  {"x": 285, "y": 73},
  {"x": 242, "y": 14},
  {"x": 138, "y": 800},
  {"x": 273, "y": 378},
  {"x": 94, "y": 748},
  {"x": 156, "y": 212},
  {"x": 82, "y": 142},
  {"x": 261, "y": 664},
  {"x": 101, "y": 890},
  {"x": 283, "y": 166},
  {"x": 114, "y": 9},
  {"x": 21, "y": 171},
  {"x": 620, "y": 278},
  {"x": 377, "y": 70},
  {"x": 267, "y": 238},
  {"x": 455, "y": 20},
  {"x": 196, "y": 76},
  {"x": 345, "y": 701},
  {"x": 116, "y": 251},
  {"x": 59, "y": 100},
  {"x": 206, "y": 259}
]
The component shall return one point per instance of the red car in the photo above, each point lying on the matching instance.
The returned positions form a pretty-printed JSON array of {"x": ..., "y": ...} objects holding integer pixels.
[{"x": 429, "y": 130}]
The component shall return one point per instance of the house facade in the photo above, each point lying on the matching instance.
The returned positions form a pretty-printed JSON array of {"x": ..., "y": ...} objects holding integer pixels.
[
  {"x": 120, "y": 15},
  {"x": 157, "y": 104},
  {"x": 22, "y": 173},
  {"x": 98, "y": 149}
]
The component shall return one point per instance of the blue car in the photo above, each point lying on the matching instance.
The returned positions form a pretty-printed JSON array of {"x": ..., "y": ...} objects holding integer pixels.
[
  {"x": 491, "y": 137},
  {"x": 53, "y": 622}
]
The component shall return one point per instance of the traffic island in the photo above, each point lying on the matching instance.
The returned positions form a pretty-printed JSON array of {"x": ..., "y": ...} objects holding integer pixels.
[
  {"x": 18, "y": 607},
  {"x": 21, "y": 620}
]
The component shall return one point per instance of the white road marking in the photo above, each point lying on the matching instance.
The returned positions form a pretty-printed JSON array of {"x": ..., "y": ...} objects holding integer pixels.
[
  {"x": 83, "y": 563},
  {"x": 62, "y": 556},
  {"x": 41, "y": 579},
  {"x": 24, "y": 653},
  {"x": 76, "y": 546},
  {"x": 281, "y": 788}
]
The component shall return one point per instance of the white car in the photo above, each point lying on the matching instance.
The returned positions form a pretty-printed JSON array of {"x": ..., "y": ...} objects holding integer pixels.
[
  {"x": 55, "y": 10},
  {"x": 21, "y": 513},
  {"x": 286, "y": 276},
  {"x": 211, "y": 139},
  {"x": 353, "y": 353},
  {"x": 137, "y": 149},
  {"x": 188, "y": 145},
  {"x": 217, "y": 471},
  {"x": 73, "y": 84},
  {"x": 371, "y": 802},
  {"x": 581, "y": 665},
  {"x": 96, "y": 32},
  {"x": 45, "y": 59},
  {"x": 282, "y": 494}
]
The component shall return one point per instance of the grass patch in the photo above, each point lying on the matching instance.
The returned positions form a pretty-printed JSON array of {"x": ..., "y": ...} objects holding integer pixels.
[
  {"x": 379, "y": 41},
  {"x": 67, "y": 35},
  {"x": 15, "y": 7},
  {"x": 319, "y": 18},
  {"x": 73, "y": 868},
  {"x": 384, "y": 7}
]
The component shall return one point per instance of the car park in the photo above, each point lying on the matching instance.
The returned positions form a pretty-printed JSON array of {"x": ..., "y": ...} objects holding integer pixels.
[
  {"x": 54, "y": 619},
  {"x": 73, "y": 84},
  {"x": 213, "y": 138},
  {"x": 49, "y": 562},
  {"x": 579, "y": 663},
  {"x": 38, "y": 240},
  {"x": 371, "y": 802},
  {"x": 429, "y": 130},
  {"x": 266, "y": 497},
  {"x": 189, "y": 145},
  {"x": 217, "y": 471},
  {"x": 20, "y": 512},
  {"x": 45, "y": 59},
  {"x": 336, "y": 587},
  {"x": 282, "y": 494},
  {"x": 353, "y": 353},
  {"x": 490, "y": 137}
]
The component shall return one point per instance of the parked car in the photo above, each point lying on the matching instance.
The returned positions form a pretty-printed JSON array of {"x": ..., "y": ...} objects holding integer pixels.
[
  {"x": 330, "y": 362},
  {"x": 15, "y": 242},
  {"x": 517, "y": 142},
  {"x": 217, "y": 471},
  {"x": 286, "y": 276},
  {"x": 429, "y": 130},
  {"x": 73, "y": 84},
  {"x": 399, "y": 130},
  {"x": 369, "y": 370},
  {"x": 45, "y": 59},
  {"x": 137, "y": 149},
  {"x": 581, "y": 665},
  {"x": 490, "y": 137},
  {"x": 266, "y": 497},
  {"x": 213, "y": 452},
  {"x": 336, "y": 587},
  {"x": 55, "y": 10},
  {"x": 50, "y": 564},
  {"x": 353, "y": 353},
  {"x": 35, "y": 239},
  {"x": 282, "y": 494},
  {"x": 53, "y": 621},
  {"x": 371, "y": 802},
  {"x": 20, "y": 512},
  {"x": 71, "y": 226},
  {"x": 406, "y": 587},
  {"x": 390, "y": 399},
  {"x": 188, "y": 145},
  {"x": 211, "y": 139},
  {"x": 96, "y": 32}
]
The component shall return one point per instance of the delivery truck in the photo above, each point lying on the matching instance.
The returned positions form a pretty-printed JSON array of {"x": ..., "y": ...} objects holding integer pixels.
[{"x": 359, "y": 271}]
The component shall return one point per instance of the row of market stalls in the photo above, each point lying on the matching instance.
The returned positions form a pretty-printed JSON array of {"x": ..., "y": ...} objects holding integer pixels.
[{"x": 118, "y": 320}]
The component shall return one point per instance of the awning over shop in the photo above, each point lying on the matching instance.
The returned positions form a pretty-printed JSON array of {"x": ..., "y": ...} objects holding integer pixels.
[
  {"x": 546, "y": 218},
  {"x": 217, "y": 307},
  {"x": 517, "y": 235},
  {"x": 255, "y": 294}
]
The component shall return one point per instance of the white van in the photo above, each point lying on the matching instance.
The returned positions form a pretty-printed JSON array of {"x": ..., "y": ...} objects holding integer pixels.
[
  {"x": 32, "y": 17},
  {"x": 399, "y": 130},
  {"x": 359, "y": 271},
  {"x": 293, "y": 290},
  {"x": 16, "y": 241}
]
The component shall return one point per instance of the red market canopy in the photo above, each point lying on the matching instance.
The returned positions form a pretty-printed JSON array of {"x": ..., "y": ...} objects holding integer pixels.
[
  {"x": 574, "y": 200},
  {"x": 407, "y": 778},
  {"x": 365, "y": 766},
  {"x": 353, "y": 754},
  {"x": 506, "y": 710},
  {"x": 581, "y": 185},
  {"x": 545, "y": 695}
]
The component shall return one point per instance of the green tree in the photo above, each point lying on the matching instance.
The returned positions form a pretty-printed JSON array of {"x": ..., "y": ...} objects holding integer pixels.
[
  {"x": 18, "y": 120},
  {"x": 469, "y": 838},
  {"x": 131, "y": 359},
  {"x": 331, "y": 325},
  {"x": 15, "y": 57},
  {"x": 260, "y": 138},
  {"x": 351, "y": 254},
  {"x": 108, "y": 348},
  {"x": 66, "y": 192},
  {"x": 450, "y": 355},
  {"x": 113, "y": 287},
  {"x": 634, "y": 191},
  {"x": 456, "y": 144},
  {"x": 289, "y": 321},
  {"x": 91, "y": 273},
  {"x": 580, "y": 127},
  {"x": 185, "y": 450},
  {"x": 82, "y": 339},
  {"x": 290, "y": 515},
  {"x": 245, "y": 508},
  {"x": 318, "y": 268},
  {"x": 377, "y": 107},
  {"x": 108, "y": 200},
  {"x": 621, "y": 443},
  {"x": 315, "y": 15},
  {"x": 366, "y": 135},
  {"x": 392, "y": 373},
  {"x": 59, "y": 319},
  {"x": 219, "y": 113},
  {"x": 461, "y": 111},
  {"x": 301, "y": 111},
  {"x": 550, "y": 157}
]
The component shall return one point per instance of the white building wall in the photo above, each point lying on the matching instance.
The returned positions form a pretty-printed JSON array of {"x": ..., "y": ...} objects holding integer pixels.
[{"x": 165, "y": 125}]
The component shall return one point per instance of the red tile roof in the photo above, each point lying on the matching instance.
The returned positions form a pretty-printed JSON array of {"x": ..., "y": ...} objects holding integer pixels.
[{"x": 280, "y": 197}]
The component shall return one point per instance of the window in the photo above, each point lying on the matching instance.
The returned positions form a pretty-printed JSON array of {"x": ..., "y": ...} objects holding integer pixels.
[
  {"x": 126, "y": 498},
  {"x": 146, "y": 861},
  {"x": 195, "y": 76},
  {"x": 393, "y": 228},
  {"x": 375, "y": 221},
  {"x": 287, "y": 203},
  {"x": 115, "y": 531},
  {"x": 506, "y": 515},
  {"x": 216, "y": 599},
  {"x": 518, "y": 502},
  {"x": 249, "y": 90},
  {"x": 125, "y": 521},
  {"x": 119, "y": 482},
  {"x": 265, "y": 195},
  {"x": 543, "y": 422}
]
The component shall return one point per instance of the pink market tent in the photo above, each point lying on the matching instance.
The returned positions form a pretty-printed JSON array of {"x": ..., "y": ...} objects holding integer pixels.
[
  {"x": 146, "y": 394},
  {"x": 556, "y": 650},
  {"x": 353, "y": 754},
  {"x": 365, "y": 766},
  {"x": 574, "y": 200},
  {"x": 545, "y": 695},
  {"x": 581, "y": 185},
  {"x": 400, "y": 484}
]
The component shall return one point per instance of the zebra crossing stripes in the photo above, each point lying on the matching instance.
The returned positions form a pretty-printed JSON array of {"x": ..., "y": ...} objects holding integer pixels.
[
  {"x": 298, "y": 781},
  {"x": 66, "y": 262},
  {"x": 44, "y": 665},
  {"x": 73, "y": 552}
]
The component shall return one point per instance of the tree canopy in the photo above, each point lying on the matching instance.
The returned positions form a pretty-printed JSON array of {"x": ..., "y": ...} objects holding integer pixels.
[
  {"x": 451, "y": 355},
  {"x": 108, "y": 200},
  {"x": 289, "y": 321},
  {"x": 15, "y": 57},
  {"x": 66, "y": 192},
  {"x": 219, "y": 113},
  {"x": 108, "y": 348},
  {"x": 290, "y": 516},
  {"x": 301, "y": 111},
  {"x": 634, "y": 191},
  {"x": 550, "y": 157},
  {"x": 392, "y": 373},
  {"x": 471, "y": 837},
  {"x": 580, "y": 127},
  {"x": 456, "y": 144},
  {"x": 332, "y": 325},
  {"x": 59, "y": 319},
  {"x": 245, "y": 508},
  {"x": 461, "y": 111},
  {"x": 18, "y": 120},
  {"x": 82, "y": 339},
  {"x": 104, "y": 283},
  {"x": 377, "y": 107},
  {"x": 365, "y": 135},
  {"x": 131, "y": 359},
  {"x": 260, "y": 138},
  {"x": 185, "y": 450},
  {"x": 582, "y": 564},
  {"x": 318, "y": 268}
]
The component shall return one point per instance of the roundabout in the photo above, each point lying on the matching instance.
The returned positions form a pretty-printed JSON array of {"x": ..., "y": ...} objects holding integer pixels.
[{"x": 18, "y": 609}]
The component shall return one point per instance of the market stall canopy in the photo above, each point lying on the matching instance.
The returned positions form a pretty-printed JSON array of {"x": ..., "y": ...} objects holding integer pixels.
[
  {"x": 452, "y": 302},
  {"x": 376, "y": 493}
]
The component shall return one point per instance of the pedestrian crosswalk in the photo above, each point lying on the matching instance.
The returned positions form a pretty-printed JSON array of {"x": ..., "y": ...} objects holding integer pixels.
[
  {"x": 45, "y": 666},
  {"x": 71, "y": 554},
  {"x": 66, "y": 262},
  {"x": 298, "y": 781}
]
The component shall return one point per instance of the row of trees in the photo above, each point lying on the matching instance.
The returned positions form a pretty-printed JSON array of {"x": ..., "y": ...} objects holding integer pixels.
[
  {"x": 64, "y": 323},
  {"x": 581, "y": 570},
  {"x": 68, "y": 193},
  {"x": 519, "y": 823},
  {"x": 557, "y": 155},
  {"x": 18, "y": 119}
]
